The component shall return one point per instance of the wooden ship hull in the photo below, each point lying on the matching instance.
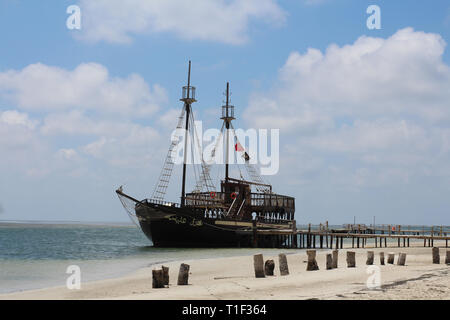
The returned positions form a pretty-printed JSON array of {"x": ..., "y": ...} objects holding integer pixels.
[{"x": 170, "y": 225}]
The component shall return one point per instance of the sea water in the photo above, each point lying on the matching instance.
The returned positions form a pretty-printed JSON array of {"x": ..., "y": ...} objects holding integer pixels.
[{"x": 37, "y": 255}]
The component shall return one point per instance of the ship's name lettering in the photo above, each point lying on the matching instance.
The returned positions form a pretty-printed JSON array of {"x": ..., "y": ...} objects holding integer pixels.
[
  {"x": 182, "y": 220},
  {"x": 177, "y": 220},
  {"x": 196, "y": 223}
]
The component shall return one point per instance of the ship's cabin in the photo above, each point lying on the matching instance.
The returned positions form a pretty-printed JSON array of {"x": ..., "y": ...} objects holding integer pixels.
[
  {"x": 237, "y": 201},
  {"x": 235, "y": 190}
]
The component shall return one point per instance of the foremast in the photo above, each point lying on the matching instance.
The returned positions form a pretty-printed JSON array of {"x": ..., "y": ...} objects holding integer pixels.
[
  {"x": 188, "y": 97},
  {"x": 227, "y": 117}
]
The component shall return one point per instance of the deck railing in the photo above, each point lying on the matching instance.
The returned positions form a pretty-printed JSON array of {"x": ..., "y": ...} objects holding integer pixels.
[
  {"x": 163, "y": 203},
  {"x": 256, "y": 200}
]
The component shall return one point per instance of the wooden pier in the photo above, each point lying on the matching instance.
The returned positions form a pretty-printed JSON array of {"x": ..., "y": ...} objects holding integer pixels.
[{"x": 360, "y": 236}]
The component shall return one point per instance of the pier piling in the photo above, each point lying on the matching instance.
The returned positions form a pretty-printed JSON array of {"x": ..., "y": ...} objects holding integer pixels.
[
  {"x": 183, "y": 275},
  {"x": 391, "y": 257},
  {"x": 258, "y": 264},
  {"x": 282, "y": 260},
  {"x": 335, "y": 258},
  {"x": 157, "y": 279},
  {"x": 370, "y": 256},
  {"x": 401, "y": 259},
  {"x": 351, "y": 259},
  {"x": 312, "y": 263},
  {"x": 165, "y": 271},
  {"x": 436, "y": 257},
  {"x": 329, "y": 261},
  {"x": 269, "y": 267}
]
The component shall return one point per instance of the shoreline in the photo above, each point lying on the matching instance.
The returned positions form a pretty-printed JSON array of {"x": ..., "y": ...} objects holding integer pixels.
[{"x": 233, "y": 278}]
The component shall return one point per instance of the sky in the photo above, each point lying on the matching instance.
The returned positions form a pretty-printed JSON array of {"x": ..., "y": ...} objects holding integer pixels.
[{"x": 363, "y": 113}]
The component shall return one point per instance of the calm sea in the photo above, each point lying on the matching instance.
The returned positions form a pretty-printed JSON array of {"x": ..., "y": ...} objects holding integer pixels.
[{"x": 36, "y": 255}]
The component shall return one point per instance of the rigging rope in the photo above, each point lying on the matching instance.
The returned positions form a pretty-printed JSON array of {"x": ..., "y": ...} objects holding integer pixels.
[
  {"x": 164, "y": 178},
  {"x": 252, "y": 169},
  {"x": 204, "y": 178}
]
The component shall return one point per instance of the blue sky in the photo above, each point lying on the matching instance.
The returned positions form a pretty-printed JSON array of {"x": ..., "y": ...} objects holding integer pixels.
[{"x": 63, "y": 157}]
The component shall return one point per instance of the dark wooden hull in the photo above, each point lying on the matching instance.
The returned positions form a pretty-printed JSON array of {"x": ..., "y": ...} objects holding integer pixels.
[
  {"x": 166, "y": 234},
  {"x": 187, "y": 227}
]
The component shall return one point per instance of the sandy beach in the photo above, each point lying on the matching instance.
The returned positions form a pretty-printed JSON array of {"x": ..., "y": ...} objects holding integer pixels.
[{"x": 233, "y": 278}]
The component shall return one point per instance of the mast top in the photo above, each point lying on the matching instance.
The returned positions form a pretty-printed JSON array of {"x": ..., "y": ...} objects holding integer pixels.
[
  {"x": 189, "y": 74},
  {"x": 188, "y": 94},
  {"x": 227, "y": 109}
]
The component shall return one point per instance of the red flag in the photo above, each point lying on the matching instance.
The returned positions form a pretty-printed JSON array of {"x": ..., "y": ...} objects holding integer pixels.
[{"x": 238, "y": 147}]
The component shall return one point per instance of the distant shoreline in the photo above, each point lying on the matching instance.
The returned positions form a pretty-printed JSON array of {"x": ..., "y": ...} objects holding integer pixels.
[{"x": 62, "y": 223}]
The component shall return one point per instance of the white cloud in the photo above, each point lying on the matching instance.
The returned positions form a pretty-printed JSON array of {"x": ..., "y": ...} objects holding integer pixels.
[
  {"x": 403, "y": 75},
  {"x": 375, "y": 112},
  {"x": 21, "y": 148},
  {"x": 377, "y": 134},
  {"x": 170, "y": 118},
  {"x": 136, "y": 149},
  {"x": 68, "y": 154},
  {"x": 88, "y": 87},
  {"x": 37, "y": 152},
  {"x": 118, "y": 142},
  {"x": 81, "y": 117},
  {"x": 224, "y": 21},
  {"x": 77, "y": 123},
  {"x": 13, "y": 117}
]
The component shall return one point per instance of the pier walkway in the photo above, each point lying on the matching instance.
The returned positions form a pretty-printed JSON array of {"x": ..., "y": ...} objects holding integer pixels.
[{"x": 350, "y": 236}]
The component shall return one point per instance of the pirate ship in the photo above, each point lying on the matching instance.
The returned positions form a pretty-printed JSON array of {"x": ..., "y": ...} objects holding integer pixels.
[{"x": 207, "y": 217}]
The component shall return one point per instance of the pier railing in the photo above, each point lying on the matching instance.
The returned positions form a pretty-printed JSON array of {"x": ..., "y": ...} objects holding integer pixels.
[{"x": 389, "y": 229}]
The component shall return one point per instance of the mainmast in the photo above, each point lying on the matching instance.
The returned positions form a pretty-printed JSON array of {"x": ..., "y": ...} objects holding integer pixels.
[
  {"x": 188, "y": 97},
  {"x": 227, "y": 116}
]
